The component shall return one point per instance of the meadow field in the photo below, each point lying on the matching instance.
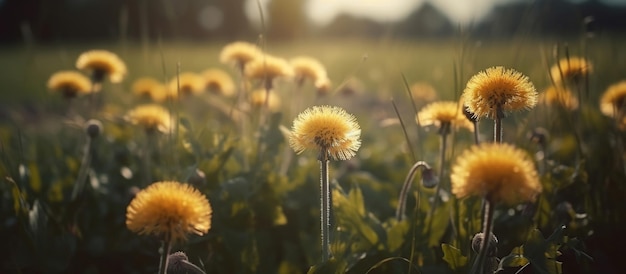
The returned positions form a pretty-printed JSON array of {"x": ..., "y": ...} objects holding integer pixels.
[{"x": 72, "y": 165}]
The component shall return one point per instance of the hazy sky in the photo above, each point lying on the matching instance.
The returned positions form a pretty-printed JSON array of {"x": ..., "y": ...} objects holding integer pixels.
[{"x": 459, "y": 11}]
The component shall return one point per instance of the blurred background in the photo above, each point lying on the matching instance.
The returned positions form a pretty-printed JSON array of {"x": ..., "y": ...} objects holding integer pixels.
[{"x": 49, "y": 21}]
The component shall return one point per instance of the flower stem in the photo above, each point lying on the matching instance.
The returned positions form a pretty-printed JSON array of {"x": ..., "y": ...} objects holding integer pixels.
[
  {"x": 401, "y": 209},
  {"x": 443, "y": 132},
  {"x": 478, "y": 267},
  {"x": 324, "y": 205},
  {"x": 476, "y": 139},
  {"x": 497, "y": 127},
  {"x": 165, "y": 251},
  {"x": 85, "y": 163}
]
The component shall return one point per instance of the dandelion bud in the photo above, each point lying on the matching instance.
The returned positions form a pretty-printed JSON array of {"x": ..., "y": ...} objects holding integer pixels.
[
  {"x": 178, "y": 263},
  {"x": 93, "y": 128},
  {"x": 492, "y": 247},
  {"x": 429, "y": 179}
]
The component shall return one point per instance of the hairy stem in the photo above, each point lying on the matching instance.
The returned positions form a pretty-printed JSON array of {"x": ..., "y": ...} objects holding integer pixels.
[{"x": 324, "y": 205}]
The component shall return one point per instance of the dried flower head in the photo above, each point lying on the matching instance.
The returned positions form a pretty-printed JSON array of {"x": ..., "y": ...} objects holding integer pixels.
[
  {"x": 613, "y": 101},
  {"x": 190, "y": 83},
  {"x": 239, "y": 54},
  {"x": 499, "y": 172},
  {"x": 496, "y": 90},
  {"x": 326, "y": 128},
  {"x": 443, "y": 113},
  {"x": 150, "y": 88},
  {"x": 169, "y": 210},
  {"x": 305, "y": 67},
  {"x": 69, "y": 83},
  {"x": 259, "y": 97},
  {"x": 423, "y": 92},
  {"x": 102, "y": 63},
  {"x": 556, "y": 95},
  {"x": 219, "y": 82},
  {"x": 151, "y": 117},
  {"x": 572, "y": 69}
]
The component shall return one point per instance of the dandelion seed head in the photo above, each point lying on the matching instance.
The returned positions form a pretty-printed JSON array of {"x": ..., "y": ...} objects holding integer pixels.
[
  {"x": 326, "y": 128},
  {"x": 169, "y": 210},
  {"x": 498, "y": 87},
  {"x": 498, "y": 172}
]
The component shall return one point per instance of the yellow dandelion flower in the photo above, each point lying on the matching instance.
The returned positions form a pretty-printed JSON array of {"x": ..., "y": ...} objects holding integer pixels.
[
  {"x": 169, "y": 210},
  {"x": 268, "y": 67},
  {"x": 305, "y": 67},
  {"x": 326, "y": 128},
  {"x": 613, "y": 101},
  {"x": 151, "y": 117},
  {"x": 69, "y": 83},
  {"x": 499, "y": 172},
  {"x": 150, "y": 88},
  {"x": 189, "y": 82},
  {"x": 423, "y": 92},
  {"x": 571, "y": 69},
  {"x": 259, "y": 96},
  {"x": 442, "y": 113},
  {"x": 556, "y": 95},
  {"x": 239, "y": 53},
  {"x": 219, "y": 82},
  {"x": 496, "y": 90},
  {"x": 102, "y": 63}
]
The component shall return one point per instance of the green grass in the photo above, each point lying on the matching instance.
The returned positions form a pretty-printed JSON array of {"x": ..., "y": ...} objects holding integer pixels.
[{"x": 267, "y": 222}]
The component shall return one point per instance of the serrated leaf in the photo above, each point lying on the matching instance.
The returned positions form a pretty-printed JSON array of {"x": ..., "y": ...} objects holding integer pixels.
[{"x": 453, "y": 257}]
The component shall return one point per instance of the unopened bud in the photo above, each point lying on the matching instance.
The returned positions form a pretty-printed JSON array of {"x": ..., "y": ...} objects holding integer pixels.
[
  {"x": 492, "y": 246},
  {"x": 429, "y": 179},
  {"x": 93, "y": 128}
]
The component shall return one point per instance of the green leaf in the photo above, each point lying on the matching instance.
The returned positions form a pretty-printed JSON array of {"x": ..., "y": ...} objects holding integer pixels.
[
  {"x": 542, "y": 253},
  {"x": 514, "y": 259},
  {"x": 453, "y": 257},
  {"x": 332, "y": 266},
  {"x": 396, "y": 234},
  {"x": 355, "y": 197}
]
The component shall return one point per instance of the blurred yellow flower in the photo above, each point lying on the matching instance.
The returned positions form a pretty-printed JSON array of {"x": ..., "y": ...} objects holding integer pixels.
[
  {"x": 169, "y": 210},
  {"x": 219, "y": 82},
  {"x": 556, "y": 95},
  {"x": 102, "y": 63},
  {"x": 496, "y": 171},
  {"x": 267, "y": 68},
  {"x": 323, "y": 86},
  {"x": 571, "y": 69},
  {"x": 69, "y": 83},
  {"x": 190, "y": 83},
  {"x": 151, "y": 117},
  {"x": 305, "y": 67},
  {"x": 443, "y": 112},
  {"x": 150, "y": 88},
  {"x": 423, "y": 92},
  {"x": 326, "y": 128},
  {"x": 613, "y": 101},
  {"x": 259, "y": 96},
  {"x": 497, "y": 89},
  {"x": 239, "y": 53}
]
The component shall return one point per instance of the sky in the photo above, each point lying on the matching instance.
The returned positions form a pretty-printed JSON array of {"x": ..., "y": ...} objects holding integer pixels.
[{"x": 322, "y": 12}]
